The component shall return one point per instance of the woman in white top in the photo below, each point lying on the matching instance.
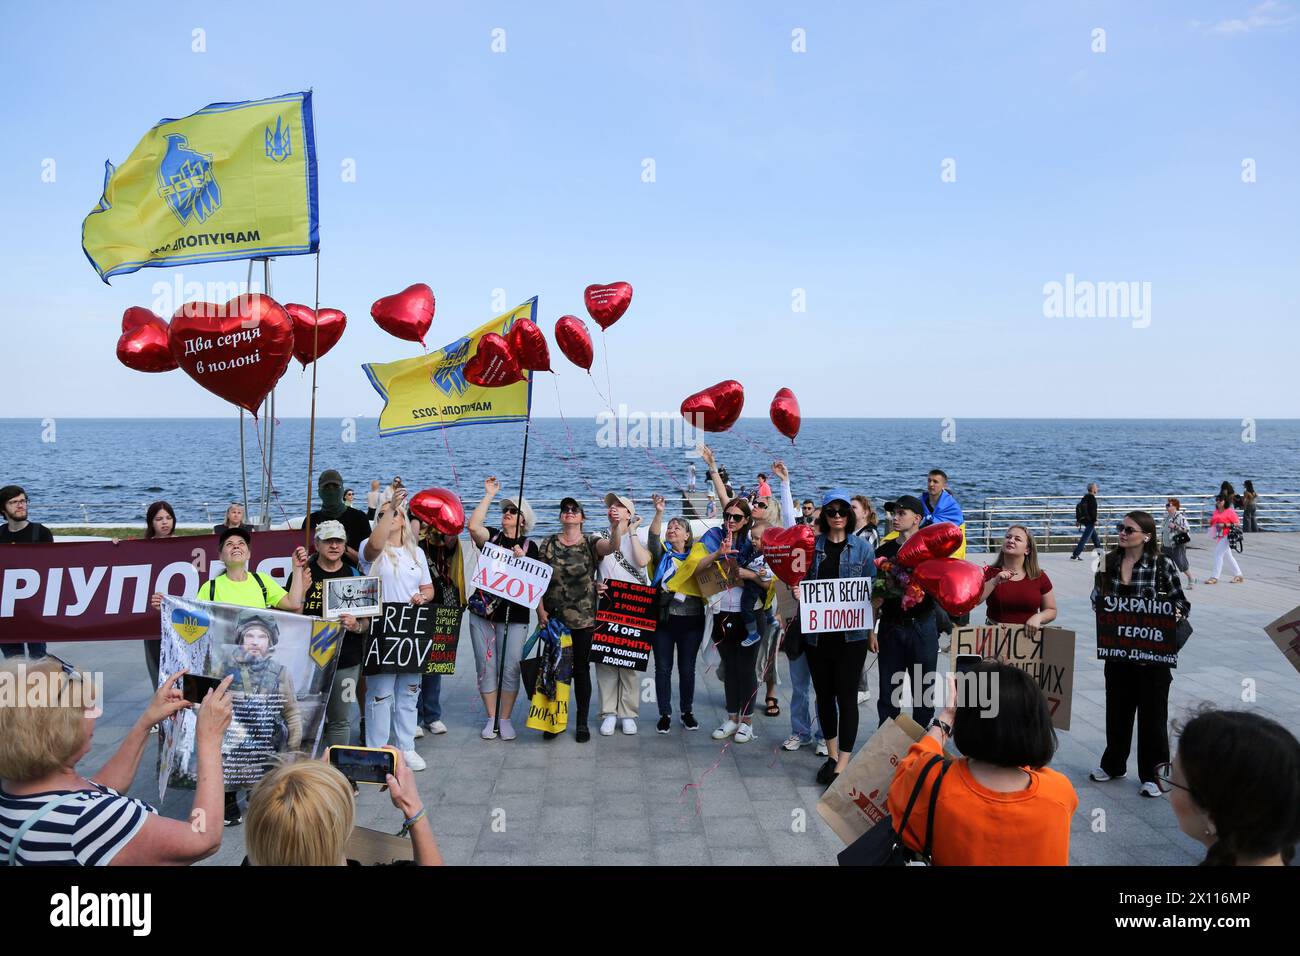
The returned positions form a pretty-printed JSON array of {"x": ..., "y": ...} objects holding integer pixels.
[
  {"x": 372, "y": 499},
  {"x": 392, "y": 555},
  {"x": 620, "y": 687}
]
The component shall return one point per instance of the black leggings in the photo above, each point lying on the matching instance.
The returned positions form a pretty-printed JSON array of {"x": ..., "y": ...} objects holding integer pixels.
[
  {"x": 739, "y": 676},
  {"x": 836, "y": 665},
  {"x": 581, "y": 673}
]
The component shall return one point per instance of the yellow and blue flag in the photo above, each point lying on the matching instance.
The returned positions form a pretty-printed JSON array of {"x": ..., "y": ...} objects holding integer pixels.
[
  {"x": 431, "y": 391},
  {"x": 232, "y": 181}
]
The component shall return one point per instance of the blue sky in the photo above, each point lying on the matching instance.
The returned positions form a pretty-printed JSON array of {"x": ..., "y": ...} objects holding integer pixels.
[{"x": 774, "y": 171}]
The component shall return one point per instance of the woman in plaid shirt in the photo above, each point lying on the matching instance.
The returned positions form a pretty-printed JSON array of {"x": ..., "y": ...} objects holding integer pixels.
[{"x": 1136, "y": 689}]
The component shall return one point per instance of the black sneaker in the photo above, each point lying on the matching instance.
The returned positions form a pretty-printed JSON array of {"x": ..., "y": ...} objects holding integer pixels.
[
  {"x": 689, "y": 721},
  {"x": 549, "y": 735},
  {"x": 665, "y": 724},
  {"x": 584, "y": 734},
  {"x": 233, "y": 819},
  {"x": 827, "y": 772}
]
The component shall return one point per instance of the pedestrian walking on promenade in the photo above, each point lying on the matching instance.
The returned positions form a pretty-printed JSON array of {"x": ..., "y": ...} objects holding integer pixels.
[{"x": 1085, "y": 517}]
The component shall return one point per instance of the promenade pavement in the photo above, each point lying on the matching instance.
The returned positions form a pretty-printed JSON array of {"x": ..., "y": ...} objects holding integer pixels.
[{"x": 685, "y": 799}]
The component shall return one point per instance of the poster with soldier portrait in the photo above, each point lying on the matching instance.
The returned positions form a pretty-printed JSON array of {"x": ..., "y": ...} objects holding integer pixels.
[{"x": 282, "y": 664}]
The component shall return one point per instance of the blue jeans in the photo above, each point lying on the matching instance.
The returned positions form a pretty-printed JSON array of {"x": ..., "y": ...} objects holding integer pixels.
[
  {"x": 905, "y": 647},
  {"x": 17, "y": 650},
  {"x": 681, "y": 634},
  {"x": 1089, "y": 530},
  {"x": 430, "y": 703},
  {"x": 801, "y": 724}
]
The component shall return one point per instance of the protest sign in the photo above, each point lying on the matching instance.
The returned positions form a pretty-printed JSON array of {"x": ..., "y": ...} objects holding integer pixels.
[
  {"x": 1138, "y": 629},
  {"x": 445, "y": 634},
  {"x": 518, "y": 579},
  {"x": 99, "y": 591},
  {"x": 283, "y": 665},
  {"x": 1047, "y": 657},
  {"x": 624, "y": 622},
  {"x": 1285, "y": 632},
  {"x": 711, "y": 580},
  {"x": 400, "y": 640},
  {"x": 858, "y": 799},
  {"x": 837, "y": 604},
  {"x": 376, "y": 848}
]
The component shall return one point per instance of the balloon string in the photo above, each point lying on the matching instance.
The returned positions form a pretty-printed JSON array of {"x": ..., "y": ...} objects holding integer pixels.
[
  {"x": 455, "y": 475},
  {"x": 573, "y": 454},
  {"x": 266, "y": 475},
  {"x": 604, "y": 348},
  {"x": 571, "y": 461}
]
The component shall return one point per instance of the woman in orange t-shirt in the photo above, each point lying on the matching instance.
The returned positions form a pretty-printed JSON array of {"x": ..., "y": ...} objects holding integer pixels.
[{"x": 998, "y": 805}]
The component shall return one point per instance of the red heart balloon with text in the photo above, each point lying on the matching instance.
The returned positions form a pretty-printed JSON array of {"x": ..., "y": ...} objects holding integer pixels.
[
  {"x": 785, "y": 413},
  {"x": 144, "y": 345},
  {"x": 933, "y": 541},
  {"x": 716, "y": 408},
  {"x": 440, "y": 508},
  {"x": 493, "y": 365},
  {"x": 237, "y": 351},
  {"x": 954, "y": 583},
  {"x": 574, "y": 340},
  {"x": 312, "y": 330},
  {"x": 529, "y": 346},
  {"x": 607, "y": 303},
  {"x": 407, "y": 315},
  {"x": 789, "y": 552}
]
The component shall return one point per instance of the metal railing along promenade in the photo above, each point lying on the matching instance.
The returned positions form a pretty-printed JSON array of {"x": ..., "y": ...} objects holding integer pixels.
[{"x": 1050, "y": 518}]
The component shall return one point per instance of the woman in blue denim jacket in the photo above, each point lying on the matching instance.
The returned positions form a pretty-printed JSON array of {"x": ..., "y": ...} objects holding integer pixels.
[{"x": 835, "y": 658}]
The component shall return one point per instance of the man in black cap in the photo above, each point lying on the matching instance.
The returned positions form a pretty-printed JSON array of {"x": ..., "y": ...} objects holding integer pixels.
[
  {"x": 333, "y": 508},
  {"x": 907, "y": 640}
]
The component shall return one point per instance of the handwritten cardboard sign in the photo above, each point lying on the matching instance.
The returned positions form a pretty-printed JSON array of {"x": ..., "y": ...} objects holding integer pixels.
[
  {"x": 1047, "y": 657},
  {"x": 1138, "y": 629},
  {"x": 445, "y": 635},
  {"x": 400, "y": 640},
  {"x": 1285, "y": 632}
]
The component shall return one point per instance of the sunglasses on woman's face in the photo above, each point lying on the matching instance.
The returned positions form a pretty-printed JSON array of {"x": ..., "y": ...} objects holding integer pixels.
[
  {"x": 570, "y": 510},
  {"x": 759, "y": 506},
  {"x": 510, "y": 511},
  {"x": 835, "y": 512},
  {"x": 735, "y": 516},
  {"x": 1129, "y": 529}
]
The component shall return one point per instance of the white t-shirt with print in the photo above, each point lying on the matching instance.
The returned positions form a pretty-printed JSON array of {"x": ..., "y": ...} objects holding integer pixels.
[
  {"x": 399, "y": 572},
  {"x": 611, "y": 569}
]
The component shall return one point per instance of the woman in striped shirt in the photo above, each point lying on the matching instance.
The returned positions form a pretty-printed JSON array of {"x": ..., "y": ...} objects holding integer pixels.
[{"x": 50, "y": 815}]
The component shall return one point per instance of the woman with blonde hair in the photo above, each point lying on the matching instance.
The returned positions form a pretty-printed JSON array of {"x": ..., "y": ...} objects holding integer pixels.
[
  {"x": 302, "y": 814},
  {"x": 1017, "y": 590},
  {"x": 391, "y": 553},
  {"x": 868, "y": 523}
]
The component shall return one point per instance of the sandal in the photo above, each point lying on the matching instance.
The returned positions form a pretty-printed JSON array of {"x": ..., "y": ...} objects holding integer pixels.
[
  {"x": 1238, "y": 580},
  {"x": 773, "y": 708},
  {"x": 1210, "y": 581}
]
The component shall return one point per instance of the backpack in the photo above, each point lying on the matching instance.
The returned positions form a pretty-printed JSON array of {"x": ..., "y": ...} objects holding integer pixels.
[
  {"x": 1236, "y": 538},
  {"x": 1080, "y": 514}
]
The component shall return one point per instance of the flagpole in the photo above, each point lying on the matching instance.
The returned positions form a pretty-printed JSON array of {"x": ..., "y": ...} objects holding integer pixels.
[
  {"x": 270, "y": 423},
  {"x": 311, "y": 435},
  {"x": 523, "y": 467}
]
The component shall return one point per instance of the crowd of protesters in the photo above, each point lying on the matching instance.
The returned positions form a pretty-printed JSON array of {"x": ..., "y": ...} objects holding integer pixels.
[{"x": 1004, "y": 803}]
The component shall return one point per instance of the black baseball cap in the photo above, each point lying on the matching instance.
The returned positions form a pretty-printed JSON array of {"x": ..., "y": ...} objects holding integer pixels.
[
  {"x": 330, "y": 477},
  {"x": 909, "y": 503},
  {"x": 575, "y": 503},
  {"x": 244, "y": 533}
]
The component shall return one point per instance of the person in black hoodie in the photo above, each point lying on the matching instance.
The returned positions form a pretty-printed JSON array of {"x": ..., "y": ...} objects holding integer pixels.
[
  {"x": 16, "y": 529},
  {"x": 1085, "y": 516}
]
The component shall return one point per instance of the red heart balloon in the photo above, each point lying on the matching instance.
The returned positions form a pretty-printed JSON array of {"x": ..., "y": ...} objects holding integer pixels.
[
  {"x": 237, "y": 351},
  {"x": 789, "y": 552},
  {"x": 932, "y": 541},
  {"x": 493, "y": 365},
  {"x": 407, "y": 314},
  {"x": 440, "y": 508},
  {"x": 574, "y": 340},
  {"x": 607, "y": 303},
  {"x": 143, "y": 344},
  {"x": 716, "y": 408},
  {"x": 529, "y": 346},
  {"x": 785, "y": 413},
  {"x": 328, "y": 325},
  {"x": 955, "y": 584}
]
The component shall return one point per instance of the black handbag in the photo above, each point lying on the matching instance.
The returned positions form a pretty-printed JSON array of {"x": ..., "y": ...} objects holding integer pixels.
[
  {"x": 882, "y": 845},
  {"x": 1183, "y": 629},
  {"x": 793, "y": 643},
  {"x": 530, "y": 668}
]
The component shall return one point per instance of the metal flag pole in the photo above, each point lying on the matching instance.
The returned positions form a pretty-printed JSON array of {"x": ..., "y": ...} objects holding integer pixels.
[
  {"x": 311, "y": 435},
  {"x": 523, "y": 466},
  {"x": 269, "y": 488}
]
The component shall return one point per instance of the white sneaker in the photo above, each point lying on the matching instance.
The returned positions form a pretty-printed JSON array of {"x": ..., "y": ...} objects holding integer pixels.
[
  {"x": 1149, "y": 789},
  {"x": 489, "y": 732},
  {"x": 1101, "y": 776},
  {"x": 792, "y": 743},
  {"x": 419, "y": 731},
  {"x": 413, "y": 760},
  {"x": 607, "y": 726},
  {"x": 629, "y": 725},
  {"x": 822, "y": 751},
  {"x": 507, "y": 729},
  {"x": 437, "y": 727},
  {"x": 864, "y": 696},
  {"x": 728, "y": 728},
  {"x": 745, "y": 733}
]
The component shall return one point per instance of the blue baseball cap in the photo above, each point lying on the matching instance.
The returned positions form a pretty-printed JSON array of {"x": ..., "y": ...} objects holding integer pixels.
[{"x": 836, "y": 494}]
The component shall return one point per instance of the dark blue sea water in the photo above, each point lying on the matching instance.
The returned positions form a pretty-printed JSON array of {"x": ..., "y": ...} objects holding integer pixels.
[{"x": 114, "y": 467}]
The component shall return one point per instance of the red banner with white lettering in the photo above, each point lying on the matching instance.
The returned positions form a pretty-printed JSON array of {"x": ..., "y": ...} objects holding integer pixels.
[{"x": 99, "y": 591}]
